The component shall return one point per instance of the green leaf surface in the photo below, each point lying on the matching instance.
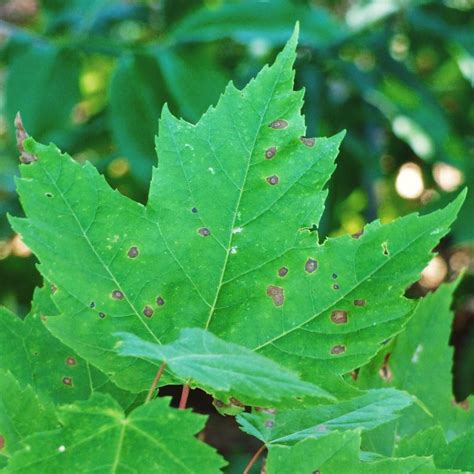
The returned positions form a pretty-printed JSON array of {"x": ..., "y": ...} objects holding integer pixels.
[
  {"x": 96, "y": 436},
  {"x": 421, "y": 362},
  {"x": 21, "y": 414},
  {"x": 226, "y": 242},
  {"x": 339, "y": 452},
  {"x": 222, "y": 369},
  {"x": 366, "y": 412},
  {"x": 36, "y": 358}
]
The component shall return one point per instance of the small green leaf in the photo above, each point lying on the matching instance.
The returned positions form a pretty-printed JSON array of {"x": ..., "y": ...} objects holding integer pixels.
[
  {"x": 97, "y": 436},
  {"x": 222, "y": 369},
  {"x": 366, "y": 412}
]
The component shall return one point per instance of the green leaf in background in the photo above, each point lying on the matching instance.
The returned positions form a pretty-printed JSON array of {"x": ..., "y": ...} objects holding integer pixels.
[
  {"x": 339, "y": 452},
  {"x": 458, "y": 454},
  {"x": 366, "y": 412},
  {"x": 225, "y": 243},
  {"x": 420, "y": 362},
  {"x": 97, "y": 436},
  {"x": 38, "y": 359},
  {"x": 21, "y": 414},
  {"x": 222, "y": 369}
]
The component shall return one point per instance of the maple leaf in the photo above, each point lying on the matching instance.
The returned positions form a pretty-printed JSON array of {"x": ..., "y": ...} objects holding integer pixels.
[{"x": 225, "y": 243}]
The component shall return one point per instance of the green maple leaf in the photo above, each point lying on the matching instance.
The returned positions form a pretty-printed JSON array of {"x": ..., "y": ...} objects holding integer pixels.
[
  {"x": 340, "y": 452},
  {"x": 420, "y": 362},
  {"x": 366, "y": 412},
  {"x": 36, "y": 358},
  {"x": 96, "y": 436},
  {"x": 225, "y": 243},
  {"x": 225, "y": 370},
  {"x": 21, "y": 414}
]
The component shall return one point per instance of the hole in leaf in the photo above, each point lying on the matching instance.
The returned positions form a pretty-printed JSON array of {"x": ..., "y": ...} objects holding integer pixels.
[
  {"x": 273, "y": 180},
  {"x": 67, "y": 381},
  {"x": 279, "y": 124},
  {"x": 49, "y": 195},
  {"x": 102, "y": 315},
  {"x": 338, "y": 349},
  {"x": 204, "y": 231},
  {"x": 339, "y": 317},
  {"x": 160, "y": 301},
  {"x": 92, "y": 304},
  {"x": 335, "y": 286},
  {"x": 385, "y": 248},
  {"x": 276, "y": 294},
  {"x": 133, "y": 252},
  {"x": 148, "y": 311},
  {"x": 334, "y": 275},
  {"x": 270, "y": 152},
  {"x": 283, "y": 271},
  {"x": 311, "y": 265}
]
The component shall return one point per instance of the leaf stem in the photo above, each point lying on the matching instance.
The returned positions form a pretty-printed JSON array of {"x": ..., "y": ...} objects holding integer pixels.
[
  {"x": 254, "y": 459},
  {"x": 184, "y": 397},
  {"x": 155, "y": 382}
]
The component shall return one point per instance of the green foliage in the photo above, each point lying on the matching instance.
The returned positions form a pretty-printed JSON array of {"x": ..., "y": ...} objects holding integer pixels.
[{"x": 222, "y": 275}]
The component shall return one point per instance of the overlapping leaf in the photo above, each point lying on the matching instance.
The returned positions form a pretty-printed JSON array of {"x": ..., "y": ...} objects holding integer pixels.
[
  {"x": 225, "y": 243},
  {"x": 223, "y": 369}
]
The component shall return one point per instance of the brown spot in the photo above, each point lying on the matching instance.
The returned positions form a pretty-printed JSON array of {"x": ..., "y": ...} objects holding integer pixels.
[
  {"x": 270, "y": 152},
  {"x": 133, "y": 252},
  {"x": 307, "y": 141},
  {"x": 276, "y": 294},
  {"x": 117, "y": 295},
  {"x": 71, "y": 361},
  {"x": 67, "y": 381},
  {"x": 359, "y": 302},
  {"x": 269, "y": 424},
  {"x": 54, "y": 288},
  {"x": 148, "y": 311},
  {"x": 236, "y": 402},
  {"x": 339, "y": 349},
  {"x": 385, "y": 372},
  {"x": 194, "y": 210},
  {"x": 21, "y": 136},
  {"x": 385, "y": 248},
  {"x": 2, "y": 442},
  {"x": 43, "y": 317},
  {"x": 273, "y": 180},
  {"x": 283, "y": 271},
  {"x": 358, "y": 234},
  {"x": 311, "y": 265},
  {"x": 279, "y": 124},
  {"x": 102, "y": 315},
  {"x": 355, "y": 374},
  {"x": 160, "y": 301},
  {"x": 339, "y": 317},
  {"x": 335, "y": 286},
  {"x": 204, "y": 231}
]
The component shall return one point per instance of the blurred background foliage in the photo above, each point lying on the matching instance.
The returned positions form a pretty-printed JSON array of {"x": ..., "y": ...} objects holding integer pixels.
[{"x": 93, "y": 75}]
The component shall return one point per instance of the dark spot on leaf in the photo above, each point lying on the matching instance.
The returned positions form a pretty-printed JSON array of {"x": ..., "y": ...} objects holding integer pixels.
[
  {"x": 49, "y": 195},
  {"x": 270, "y": 152},
  {"x": 148, "y": 311},
  {"x": 160, "y": 301},
  {"x": 102, "y": 315},
  {"x": 339, "y": 349},
  {"x": 67, "y": 381},
  {"x": 278, "y": 124},
  {"x": 335, "y": 286},
  {"x": 311, "y": 265},
  {"x": 273, "y": 180},
  {"x": 283, "y": 271},
  {"x": 385, "y": 248},
  {"x": 307, "y": 141},
  {"x": 92, "y": 304},
  {"x": 317, "y": 471},
  {"x": 276, "y": 294},
  {"x": 71, "y": 361},
  {"x": 269, "y": 424},
  {"x": 117, "y": 295},
  {"x": 339, "y": 317},
  {"x": 133, "y": 252},
  {"x": 357, "y": 234},
  {"x": 2, "y": 442},
  {"x": 204, "y": 231},
  {"x": 194, "y": 210},
  {"x": 334, "y": 275},
  {"x": 359, "y": 302}
]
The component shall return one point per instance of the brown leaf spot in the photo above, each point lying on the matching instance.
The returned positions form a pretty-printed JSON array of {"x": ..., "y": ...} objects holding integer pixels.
[
  {"x": 21, "y": 136},
  {"x": 71, "y": 361},
  {"x": 308, "y": 141},
  {"x": 339, "y": 317},
  {"x": 385, "y": 372},
  {"x": 67, "y": 381},
  {"x": 338, "y": 349},
  {"x": 204, "y": 231},
  {"x": 117, "y": 295},
  {"x": 236, "y": 402},
  {"x": 133, "y": 252},
  {"x": 276, "y": 294},
  {"x": 359, "y": 302},
  {"x": 54, "y": 288},
  {"x": 311, "y": 265},
  {"x": 270, "y": 152},
  {"x": 160, "y": 301},
  {"x": 148, "y": 311},
  {"x": 102, "y": 315},
  {"x": 358, "y": 234},
  {"x": 279, "y": 124},
  {"x": 273, "y": 180},
  {"x": 2, "y": 442},
  {"x": 282, "y": 272},
  {"x": 355, "y": 374}
]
